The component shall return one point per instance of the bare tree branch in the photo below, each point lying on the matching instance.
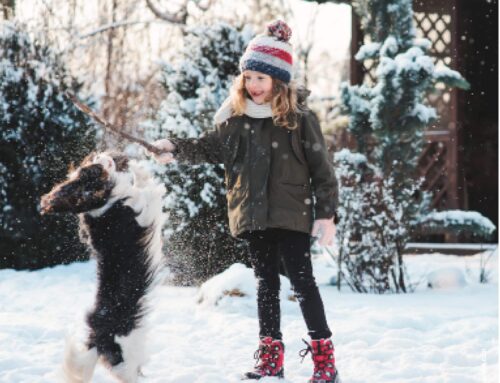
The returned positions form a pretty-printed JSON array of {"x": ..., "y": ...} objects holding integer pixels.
[
  {"x": 8, "y": 8},
  {"x": 179, "y": 18},
  {"x": 109, "y": 57},
  {"x": 117, "y": 24},
  {"x": 203, "y": 7},
  {"x": 106, "y": 125}
]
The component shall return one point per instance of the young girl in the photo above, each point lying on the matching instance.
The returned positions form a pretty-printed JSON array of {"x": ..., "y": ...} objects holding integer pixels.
[{"x": 281, "y": 190}]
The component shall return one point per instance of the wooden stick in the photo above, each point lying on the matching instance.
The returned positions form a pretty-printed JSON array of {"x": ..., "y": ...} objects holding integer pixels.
[{"x": 85, "y": 109}]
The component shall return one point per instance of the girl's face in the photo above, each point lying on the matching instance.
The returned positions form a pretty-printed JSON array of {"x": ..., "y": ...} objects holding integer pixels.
[{"x": 258, "y": 85}]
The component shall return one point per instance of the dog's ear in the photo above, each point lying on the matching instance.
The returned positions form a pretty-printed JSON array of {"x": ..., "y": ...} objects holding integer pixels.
[
  {"x": 106, "y": 161},
  {"x": 121, "y": 162}
]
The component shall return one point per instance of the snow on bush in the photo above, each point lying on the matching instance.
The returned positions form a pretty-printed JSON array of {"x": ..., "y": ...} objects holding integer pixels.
[
  {"x": 372, "y": 229},
  {"x": 446, "y": 279},
  {"x": 458, "y": 220},
  {"x": 41, "y": 134}
]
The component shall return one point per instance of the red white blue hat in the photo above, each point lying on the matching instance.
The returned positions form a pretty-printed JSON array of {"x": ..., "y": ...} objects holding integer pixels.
[{"x": 270, "y": 54}]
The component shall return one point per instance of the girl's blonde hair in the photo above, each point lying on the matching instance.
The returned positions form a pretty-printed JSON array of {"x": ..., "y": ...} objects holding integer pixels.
[{"x": 284, "y": 104}]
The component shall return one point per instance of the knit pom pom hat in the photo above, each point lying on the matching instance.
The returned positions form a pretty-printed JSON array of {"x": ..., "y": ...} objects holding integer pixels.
[{"x": 270, "y": 54}]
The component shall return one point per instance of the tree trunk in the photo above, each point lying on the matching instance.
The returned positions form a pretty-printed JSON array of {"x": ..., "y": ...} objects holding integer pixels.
[
  {"x": 109, "y": 63},
  {"x": 8, "y": 8}
]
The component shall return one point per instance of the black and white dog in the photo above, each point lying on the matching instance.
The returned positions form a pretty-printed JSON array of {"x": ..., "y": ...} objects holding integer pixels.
[{"x": 120, "y": 208}]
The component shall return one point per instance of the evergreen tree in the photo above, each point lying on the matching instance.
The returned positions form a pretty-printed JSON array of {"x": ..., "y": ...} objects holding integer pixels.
[
  {"x": 41, "y": 133},
  {"x": 199, "y": 244},
  {"x": 388, "y": 121}
]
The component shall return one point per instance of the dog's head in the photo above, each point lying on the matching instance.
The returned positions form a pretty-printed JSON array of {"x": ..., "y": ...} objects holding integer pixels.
[{"x": 88, "y": 187}]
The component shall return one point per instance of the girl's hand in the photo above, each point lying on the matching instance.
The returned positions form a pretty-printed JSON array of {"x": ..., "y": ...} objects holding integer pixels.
[
  {"x": 324, "y": 230},
  {"x": 167, "y": 146}
]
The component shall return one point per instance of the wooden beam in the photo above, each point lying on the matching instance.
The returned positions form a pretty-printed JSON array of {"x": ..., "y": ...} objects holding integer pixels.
[
  {"x": 448, "y": 248},
  {"x": 349, "y": 2},
  {"x": 356, "y": 68}
]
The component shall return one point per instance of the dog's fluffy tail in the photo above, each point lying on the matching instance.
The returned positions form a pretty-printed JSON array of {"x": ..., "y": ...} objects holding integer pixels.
[{"x": 79, "y": 362}]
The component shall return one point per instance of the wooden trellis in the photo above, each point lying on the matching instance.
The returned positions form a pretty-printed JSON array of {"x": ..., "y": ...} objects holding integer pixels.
[{"x": 439, "y": 160}]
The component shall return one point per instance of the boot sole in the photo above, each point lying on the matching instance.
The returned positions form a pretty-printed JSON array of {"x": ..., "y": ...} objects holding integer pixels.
[
  {"x": 336, "y": 380},
  {"x": 253, "y": 376}
]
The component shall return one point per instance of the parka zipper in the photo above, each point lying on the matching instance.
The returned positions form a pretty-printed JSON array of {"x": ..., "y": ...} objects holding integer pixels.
[{"x": 250, "y": 162}]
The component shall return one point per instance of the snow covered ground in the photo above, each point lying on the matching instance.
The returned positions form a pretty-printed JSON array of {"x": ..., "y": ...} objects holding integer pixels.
[{"x": 449, "y": 334}]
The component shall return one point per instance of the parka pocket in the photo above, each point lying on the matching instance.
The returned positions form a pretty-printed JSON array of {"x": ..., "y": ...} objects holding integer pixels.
[{"x": 295, "y": 196}]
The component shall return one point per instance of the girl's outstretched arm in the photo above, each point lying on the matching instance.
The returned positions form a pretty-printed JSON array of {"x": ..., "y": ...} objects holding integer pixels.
[{"x": 204, "y": 149}]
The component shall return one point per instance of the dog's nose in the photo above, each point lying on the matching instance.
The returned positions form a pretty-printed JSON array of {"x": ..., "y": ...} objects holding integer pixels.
[
  {"x": 45, "y": 204},
  {"x": 52, "y": 200}
]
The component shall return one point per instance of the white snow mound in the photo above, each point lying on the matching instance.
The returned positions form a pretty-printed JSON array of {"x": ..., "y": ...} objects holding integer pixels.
[
  {"x": 235, "y": 282},
  {"x": 446, "y": 278}
]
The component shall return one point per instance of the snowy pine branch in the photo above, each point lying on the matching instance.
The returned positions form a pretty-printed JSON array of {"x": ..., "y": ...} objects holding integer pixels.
[{"x": 450, "y": 78}]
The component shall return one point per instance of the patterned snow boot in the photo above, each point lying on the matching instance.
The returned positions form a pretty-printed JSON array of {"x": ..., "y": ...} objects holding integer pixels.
[
  {"x": 269, "y": 359},
  {"x": 324, "y": 361}
]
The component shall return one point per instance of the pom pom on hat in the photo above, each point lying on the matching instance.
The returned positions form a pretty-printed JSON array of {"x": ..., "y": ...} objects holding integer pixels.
[
  {"x": 270, "y": 54},
  {"x": 280, "y": 30}
]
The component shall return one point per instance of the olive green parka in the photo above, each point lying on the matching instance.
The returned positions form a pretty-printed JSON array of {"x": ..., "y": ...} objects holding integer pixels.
[{"x": 275, "y": 177}]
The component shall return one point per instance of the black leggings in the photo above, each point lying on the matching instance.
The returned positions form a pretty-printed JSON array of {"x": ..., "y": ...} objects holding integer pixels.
[{"x": 267, "y": 249}]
